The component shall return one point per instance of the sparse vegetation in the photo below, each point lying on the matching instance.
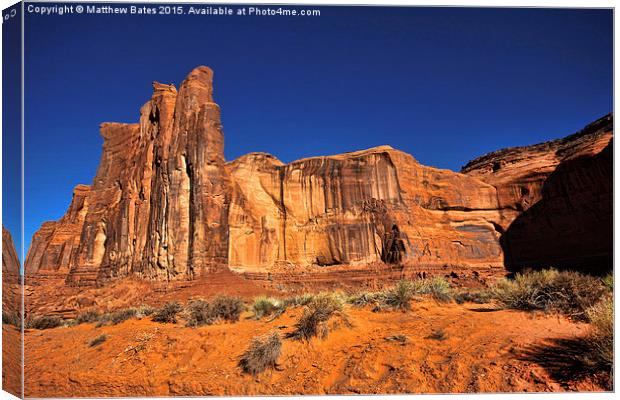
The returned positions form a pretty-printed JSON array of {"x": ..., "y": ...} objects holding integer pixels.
[
  {"x": 227, "y": 308},
  {"x": 437, "y": 287},
  {"x": 44, "y": 322},
  {"x": 601, "y": 317},
  {"x": 477, "y": 296},
  {"x": 222, "y": 308},
  {"x": 437, "y": 334},
  {"x": 98, "y": 340},
  {"x": 12, "y": 318},
  {"x": 400, "y": 295},
  {"x": 198, "y": 313},
  {"x": 116, "y": 317},
  {"x": 87, "y": 317},
  {"x": 168, "y": 313},
  {"x": 263, "y": 353},
  {"x": 265, "y": 306},
  {"x": 569, "y": 293},
  {"x": 315, "y": 317},
  {"x": 144, "y": 311}
]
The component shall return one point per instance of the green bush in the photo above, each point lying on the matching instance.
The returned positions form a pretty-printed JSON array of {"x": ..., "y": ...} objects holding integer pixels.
[
  {"x": 569, "y": 293},
  {"x": 263, "y": 353},
  {"x": 168, "y": 313}
]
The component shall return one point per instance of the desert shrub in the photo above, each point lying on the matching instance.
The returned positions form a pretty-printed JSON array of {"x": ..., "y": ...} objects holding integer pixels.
[
  {"x": 263, "y": 353},
  {"x": 313, "y": 321},
  {"x": 608, "y": 281},
  {"x": 116, "y": 317},
  {"x": 365, "y": 298},
  {"x": 297, "y": 301},
  {"x": 227, "y": 308},
  {"x": 87, "y": 317},
  {"x": 400, "y": 295},
  {"x": 265, "y": 306},
  {"x": 478, "y": 297},
  {"x": 98, "y": 340},
  {"x": 437, "y": 334},
  {"x": 198, "y": 313},
  {"x": 601, "y": 316},
  {"x": 12, "y": 318},
  {"x": 437, "y": 287},
  {"x": 569, "y": 293},
  {"x": 144, "y": 311},
  {"x": 168, "y": 313},
  {"x": 45, "y": 322}
]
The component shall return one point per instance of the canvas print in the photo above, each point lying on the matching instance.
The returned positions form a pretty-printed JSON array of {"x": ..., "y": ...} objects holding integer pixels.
[{"x": 235, "y": 200}]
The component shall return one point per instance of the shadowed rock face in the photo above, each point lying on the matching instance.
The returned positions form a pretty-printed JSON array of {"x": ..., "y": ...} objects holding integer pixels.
[
  {"x": 164, "y": 205},
  {"x": 560, "y": 194}
]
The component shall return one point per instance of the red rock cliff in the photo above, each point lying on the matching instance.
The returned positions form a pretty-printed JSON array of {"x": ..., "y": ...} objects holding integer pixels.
[
  {"x": 557, "y": 199},
  {"x": 164, "y": 205}
]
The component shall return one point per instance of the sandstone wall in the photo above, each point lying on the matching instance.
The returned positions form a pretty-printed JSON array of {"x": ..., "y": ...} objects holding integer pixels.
[
  {"x": 560, "y": 197},
  {"x": 164, "y": 204},
  {"x": 362, "y": 207}
]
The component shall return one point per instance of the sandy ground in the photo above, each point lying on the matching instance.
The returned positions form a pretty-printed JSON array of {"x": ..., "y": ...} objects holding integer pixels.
[{"x": 484, "y": 350}]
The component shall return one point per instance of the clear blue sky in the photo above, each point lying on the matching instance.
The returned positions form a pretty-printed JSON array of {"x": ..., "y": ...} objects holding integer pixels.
[{"x": 445, "y": 85}]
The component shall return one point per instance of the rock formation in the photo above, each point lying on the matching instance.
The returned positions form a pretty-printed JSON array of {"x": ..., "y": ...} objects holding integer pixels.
[
  {"x": 164, "y": 204},
  {"x": 558, "y": 198},
  {"x": 10, "y": 261}
]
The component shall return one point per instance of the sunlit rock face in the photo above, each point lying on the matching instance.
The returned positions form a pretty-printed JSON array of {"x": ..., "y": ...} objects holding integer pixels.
[
  {"x": 558, "y": 197},
  {"x": 164, "y": 205},
  {"x": 10, "y": 261},
  {"x": 373, "y": 205}
]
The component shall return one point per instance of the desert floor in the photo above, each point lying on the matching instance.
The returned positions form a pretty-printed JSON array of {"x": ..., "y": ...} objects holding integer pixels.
[{"x": 482, "y": 350}]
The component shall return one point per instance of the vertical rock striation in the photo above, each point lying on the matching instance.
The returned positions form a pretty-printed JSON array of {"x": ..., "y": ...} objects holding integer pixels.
[
  {"x": 158, "y": 205},
  {"x": 164, "y": 205}
]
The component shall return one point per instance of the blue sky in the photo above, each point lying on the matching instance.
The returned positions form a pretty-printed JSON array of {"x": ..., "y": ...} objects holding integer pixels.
[{"x": 443, "y": 84}]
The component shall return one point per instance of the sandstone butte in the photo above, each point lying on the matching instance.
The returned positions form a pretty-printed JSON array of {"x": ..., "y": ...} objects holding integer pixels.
[{"x": 165, "y": 205}]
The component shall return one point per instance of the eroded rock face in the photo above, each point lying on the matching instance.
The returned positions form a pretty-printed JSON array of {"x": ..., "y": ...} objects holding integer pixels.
[
  {"x": 376, "y": 205},
  {"x": 10, "y": 261},
  {"x": 557, "y": 199},
  {"x": 164, "y": 204},
  {"x": 158, "y": 205}
]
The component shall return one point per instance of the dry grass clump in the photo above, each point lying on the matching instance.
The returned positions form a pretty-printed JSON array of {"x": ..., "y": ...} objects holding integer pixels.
[
  {"x": 263, "y": 353},
  {"x": 168, "y": 313},
  {"x": 45, "y": 322},
  {"x": 12, "y": 318},
  {"x": 314, "y": 320},
  {"x": 87, "y": 317},
  {"x": 478, "y": 297},
  {"x": 400, "y": 295},
  {"x": 222, "y": 308},
  {"x": 98, "y": 340},
  {"x": 227, "y": 308},
  {"x": 265, "y": 306},
  {"x": 116, "y": 317},
  {"x": 601, "y": 316},
  {"x": 437, "y": 287},
  {"x": 569, "y": 293}
]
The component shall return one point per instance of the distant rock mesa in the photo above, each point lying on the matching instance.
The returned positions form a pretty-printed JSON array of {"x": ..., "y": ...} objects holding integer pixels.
[{"x": 165, "y": 205}]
